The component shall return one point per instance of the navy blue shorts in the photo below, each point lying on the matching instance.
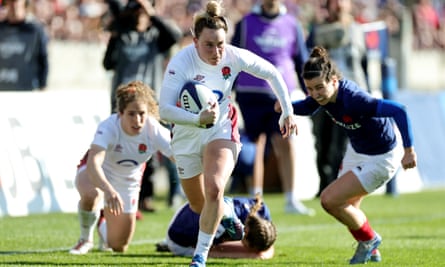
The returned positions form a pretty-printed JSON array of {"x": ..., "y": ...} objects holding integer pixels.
[{"x": 258, "y": 114}]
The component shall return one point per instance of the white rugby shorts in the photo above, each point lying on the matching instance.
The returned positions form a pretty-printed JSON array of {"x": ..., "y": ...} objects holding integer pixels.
[
  {"x": 179, "y": 250},
  {"x": 129, "y": 195},
  {"x": 372, "y": 171},
  {"x": 188, "y": 144}
]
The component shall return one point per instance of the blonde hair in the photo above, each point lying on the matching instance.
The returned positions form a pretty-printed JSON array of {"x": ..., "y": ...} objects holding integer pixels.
[
  {"x": 136, "y": 91},
  {"x": 210, "y": 18},
  {"x": 262, "y": 233}
]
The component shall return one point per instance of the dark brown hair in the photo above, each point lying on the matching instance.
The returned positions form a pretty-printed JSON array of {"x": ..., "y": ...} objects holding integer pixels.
[
  {"x": 211, "y": 18},
  {"x": 320, "y": 65},
  {"x": 261, "y": 233}
]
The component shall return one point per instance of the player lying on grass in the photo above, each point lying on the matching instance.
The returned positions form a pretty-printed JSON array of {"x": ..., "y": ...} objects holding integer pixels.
[{"x": 231, "y": 241}]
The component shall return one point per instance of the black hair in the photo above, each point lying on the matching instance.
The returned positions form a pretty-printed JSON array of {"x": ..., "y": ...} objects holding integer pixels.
[{"x": 320, "y": 65}]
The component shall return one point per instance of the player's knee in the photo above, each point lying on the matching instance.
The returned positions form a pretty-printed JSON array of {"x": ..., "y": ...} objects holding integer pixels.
[
  {"x": 90, "y": 196},
  {"x": 214, "y": 193},
  {"x": 118, "y": 247},
  {"x": 327, "y": 202}
]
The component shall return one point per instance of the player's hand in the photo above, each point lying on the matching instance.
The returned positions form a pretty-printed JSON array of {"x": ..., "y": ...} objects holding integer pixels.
[
  {"x": 288, "y": 125},
  {"x": 208, "y": 116},
  {"x": 113, "y": 202},
  {"x": 409, "y": 159},
  {"x": 148, "y": 6}
]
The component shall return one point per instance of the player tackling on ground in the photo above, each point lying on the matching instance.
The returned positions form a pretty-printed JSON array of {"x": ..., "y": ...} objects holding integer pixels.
[
  {"x": 373, "y": 155},
  {"x": 205, "y": 158},
  {"x": 259, "y": 231}
]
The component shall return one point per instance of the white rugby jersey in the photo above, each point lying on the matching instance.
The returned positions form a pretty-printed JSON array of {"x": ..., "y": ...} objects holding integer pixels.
[
  {"x": 125, "y": 154},
  {"x": 186, "y": 66}
]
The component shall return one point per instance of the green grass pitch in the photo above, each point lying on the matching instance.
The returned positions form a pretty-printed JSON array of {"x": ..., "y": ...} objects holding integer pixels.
[{"x": 412, "y": 227}]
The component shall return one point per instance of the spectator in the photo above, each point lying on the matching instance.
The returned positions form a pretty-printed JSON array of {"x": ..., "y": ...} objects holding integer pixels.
[
  {"x": 139, "y": 46},
  {"x": 23, "y": 49},
  {"x": 426, "y": 25},
  {"x": 278, "y": 37}
]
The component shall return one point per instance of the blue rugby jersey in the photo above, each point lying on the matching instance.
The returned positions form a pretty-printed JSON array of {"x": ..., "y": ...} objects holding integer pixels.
[
  {"x": 367, "y": 120},
  {"x": 184, "y": 227}
]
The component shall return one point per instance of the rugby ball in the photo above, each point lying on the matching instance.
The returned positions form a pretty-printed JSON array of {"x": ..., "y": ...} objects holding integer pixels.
[{"x": 195, "y": 97}]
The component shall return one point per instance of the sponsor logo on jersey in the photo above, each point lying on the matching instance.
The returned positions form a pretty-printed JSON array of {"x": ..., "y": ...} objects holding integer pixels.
[
  {"x": 347, "y": 122},
  {"x": 118, "y": 148},
  {"x": 199, "y": 77}
]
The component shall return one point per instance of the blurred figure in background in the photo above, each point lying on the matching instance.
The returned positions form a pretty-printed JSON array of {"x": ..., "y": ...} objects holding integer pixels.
[
  {"x": 139, "y": 45},
  {"x": 343, "y": 37},
  {"x": 137, "y": 50},
  {"x": 427, "y": 26},
  {"x": 23, "y": 49},
  {"x": 278, "y": 37}
]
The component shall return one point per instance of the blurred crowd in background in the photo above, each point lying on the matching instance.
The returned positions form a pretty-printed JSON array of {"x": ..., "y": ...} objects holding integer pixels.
[{"x": 87, "y": 20}]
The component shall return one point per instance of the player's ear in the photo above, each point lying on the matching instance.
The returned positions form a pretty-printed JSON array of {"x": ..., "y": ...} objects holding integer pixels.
[{"x": 334, "y": 80}]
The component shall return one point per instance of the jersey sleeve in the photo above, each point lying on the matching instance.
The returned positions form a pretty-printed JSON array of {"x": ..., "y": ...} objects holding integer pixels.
[
  {"x": 305, "y": 107},
  {"x": 169, "y": 95},
  {"x": 161, "y": 137},
  {"x": 105, "y": 134},
  {"x": 389, "y": 108}
]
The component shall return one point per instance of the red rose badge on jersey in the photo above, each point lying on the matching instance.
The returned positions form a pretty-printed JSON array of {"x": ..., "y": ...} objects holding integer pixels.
[
  {"x": 226, "y": 72},
  {"x": 142, "y": 148}
]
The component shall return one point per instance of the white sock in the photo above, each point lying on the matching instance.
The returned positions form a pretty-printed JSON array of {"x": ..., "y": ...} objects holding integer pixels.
[
  {"x": 204, "y": 243},
  {"x": 290, "y": 197},
  {"x": 255, "y": 190},
  {"x": 103, "y": 231},
  {"x": 228, "y": 207},
  {"x": 88, "y": 221}
]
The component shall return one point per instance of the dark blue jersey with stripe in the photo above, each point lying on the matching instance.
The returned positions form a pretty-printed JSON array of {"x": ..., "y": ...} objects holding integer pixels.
[
  {"x": 184, "y": 227},
  {"x": 366, "y": 120}
]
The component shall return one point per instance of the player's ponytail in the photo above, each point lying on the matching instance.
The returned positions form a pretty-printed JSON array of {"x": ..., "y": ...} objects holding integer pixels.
[
  {"x": 211, "y": 18},
  {"x": 320, "y": 65},
  {"x": 261, "y": 233}
]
